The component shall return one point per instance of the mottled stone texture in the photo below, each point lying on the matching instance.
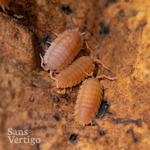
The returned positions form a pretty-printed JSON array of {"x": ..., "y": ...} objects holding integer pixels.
[{"x": 119, "y": 33}]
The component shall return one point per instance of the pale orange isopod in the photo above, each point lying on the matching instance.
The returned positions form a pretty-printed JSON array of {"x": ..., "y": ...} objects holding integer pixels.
[
  {"x": 88, "y": 100},
  {"x": 77, "y": 71},
  {"x": 4, "y": 4},
  {"x": 62, "y": 51}
]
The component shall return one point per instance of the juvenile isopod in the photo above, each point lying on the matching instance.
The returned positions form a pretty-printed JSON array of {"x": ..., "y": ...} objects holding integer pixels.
[
  {"x": 4, "y": 4},
  {"x": 62, "y": 51},
  {"x": 77, "y": 71},
  {"x": 88, "y": 101}
]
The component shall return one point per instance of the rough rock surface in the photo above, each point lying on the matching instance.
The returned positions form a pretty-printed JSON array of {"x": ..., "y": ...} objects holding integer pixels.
[{"x": 118, "y": 31}]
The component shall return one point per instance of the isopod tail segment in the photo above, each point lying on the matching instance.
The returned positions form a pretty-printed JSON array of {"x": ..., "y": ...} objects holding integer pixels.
[
  {"x": 95, "y": 59},
  {"x": 89, "y": 99}
]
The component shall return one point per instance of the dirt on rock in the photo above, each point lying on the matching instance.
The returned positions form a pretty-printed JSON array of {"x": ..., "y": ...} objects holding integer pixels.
[{"x": 118, "y": 32}]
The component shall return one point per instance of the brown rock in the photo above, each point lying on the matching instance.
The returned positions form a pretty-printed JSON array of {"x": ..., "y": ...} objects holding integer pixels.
[{"x": 118, "y": 32}]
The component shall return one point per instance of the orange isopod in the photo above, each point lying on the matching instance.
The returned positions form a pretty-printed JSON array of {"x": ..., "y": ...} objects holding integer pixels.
[
  {"x": 62, "y": 51},
  {"x": 88, "y": 100},
  {"x": 4, "y": 4},
  {"x": 77, "y": 71}
]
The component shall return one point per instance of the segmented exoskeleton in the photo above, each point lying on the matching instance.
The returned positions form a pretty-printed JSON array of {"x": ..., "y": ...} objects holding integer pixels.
[
  {"x": 77, "y": 71},
  {"x": 62, "y": 51},
  {"x": 89, "y": 99}
]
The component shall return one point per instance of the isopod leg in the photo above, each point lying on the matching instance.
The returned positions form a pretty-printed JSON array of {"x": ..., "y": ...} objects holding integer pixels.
[
  {"x": 7, "y": 8},
  {"x": 77, "y": 29},
  {"x": 42, "y": 62},
  {"x": 91, "y": 51},
  {"x": 49, "y": 42},
  {"x": 55, "y": 33},
  {"x": 91, "y": 74},
  {"x": 82, "y": 33},
  {"x": 97, "y": 60},
  {"x": 105, "y": 77},
  {"x": 51, "y": 75},
  {"x": 3, "y": 8}
]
